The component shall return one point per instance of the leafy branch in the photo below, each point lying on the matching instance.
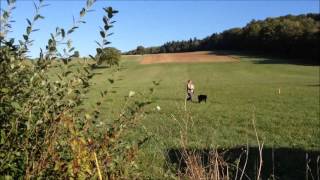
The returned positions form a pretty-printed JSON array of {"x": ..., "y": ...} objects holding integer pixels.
[
  {"x": 5, "y": 20},
  {"x": 26, "y": 42},
  {"x": 108, "y": 24},
  {"x": 61, "y": 35}
]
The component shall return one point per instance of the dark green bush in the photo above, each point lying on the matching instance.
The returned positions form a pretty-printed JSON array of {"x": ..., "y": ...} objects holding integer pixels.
[{"x": 109, "y": 56}]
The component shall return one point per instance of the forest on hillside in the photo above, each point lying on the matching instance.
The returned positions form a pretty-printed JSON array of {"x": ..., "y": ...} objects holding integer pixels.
[{"x": 289, "y": 36}]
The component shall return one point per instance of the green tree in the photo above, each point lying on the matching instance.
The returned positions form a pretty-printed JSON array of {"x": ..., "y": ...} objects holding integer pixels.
[
  {"x": 140, "y": 50},
  {"x": 289, "y": 36},
  {"x": 109, "y": 56},
  {"x": 76, "y": 54}
]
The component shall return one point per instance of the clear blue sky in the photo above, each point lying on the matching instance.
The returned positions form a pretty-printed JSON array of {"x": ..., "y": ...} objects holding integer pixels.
[{"x": 150, "y": 23}]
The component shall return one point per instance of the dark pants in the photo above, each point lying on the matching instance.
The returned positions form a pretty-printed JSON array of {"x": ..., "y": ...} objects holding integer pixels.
[{"x": 189, "y": 96}]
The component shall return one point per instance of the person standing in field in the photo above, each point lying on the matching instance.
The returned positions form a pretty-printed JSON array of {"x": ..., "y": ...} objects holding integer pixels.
[{"x": 190, "y": 90}]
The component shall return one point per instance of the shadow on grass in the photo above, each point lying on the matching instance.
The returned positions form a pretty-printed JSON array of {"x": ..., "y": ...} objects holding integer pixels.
[
  {"x": 281, "y": 163},
  {"x": 122, "y": 68},
  {"x": 313, "y": 85},
  {"x": 267, "y": 58},
  {"x": 169, "y": 98},
  {"x": 99, "y": 67},
  {"x": 97, "y": 73},
  {"x": 287, "y": 61}
]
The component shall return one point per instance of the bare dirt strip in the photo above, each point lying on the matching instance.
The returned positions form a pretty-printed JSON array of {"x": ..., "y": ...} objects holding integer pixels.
[{"x": 187, "y": 57}]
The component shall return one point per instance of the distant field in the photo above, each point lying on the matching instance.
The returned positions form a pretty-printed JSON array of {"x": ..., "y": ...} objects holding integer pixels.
[
  {"x": 237, "y": 93},
  {"x": 188, "y": 57}
]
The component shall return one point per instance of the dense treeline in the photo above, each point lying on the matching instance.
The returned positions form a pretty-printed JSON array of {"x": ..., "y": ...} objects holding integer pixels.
[{"x": 290, "y": 36}]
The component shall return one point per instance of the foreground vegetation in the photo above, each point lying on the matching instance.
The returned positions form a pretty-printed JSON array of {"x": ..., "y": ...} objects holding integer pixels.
[{"x": 43, "y": 133}]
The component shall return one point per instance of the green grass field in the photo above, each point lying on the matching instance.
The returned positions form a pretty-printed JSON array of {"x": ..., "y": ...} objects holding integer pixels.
[{"x": 237, "y": 93}]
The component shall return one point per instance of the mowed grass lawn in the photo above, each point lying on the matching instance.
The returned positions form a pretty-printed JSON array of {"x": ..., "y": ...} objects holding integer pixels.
[{"x": 238, "y": 92}]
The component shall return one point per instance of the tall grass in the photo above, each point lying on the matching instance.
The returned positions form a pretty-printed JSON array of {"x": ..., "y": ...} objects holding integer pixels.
[{"x": 214, "y": 164}]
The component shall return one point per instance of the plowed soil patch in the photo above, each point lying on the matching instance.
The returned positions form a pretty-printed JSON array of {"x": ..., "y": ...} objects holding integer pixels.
[{"x": 188, "y": 57}]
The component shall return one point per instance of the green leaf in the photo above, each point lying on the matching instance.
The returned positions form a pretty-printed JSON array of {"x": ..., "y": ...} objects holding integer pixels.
[
  {"x": 29, "y": 22},
  {"x": 65, "y": 60},
  {"x": 2, "y": 138},
  {"x": 103, "y": 35},
  {"x": 109, "y": 11},
  {"x": 87, "y": 116},
  {"x": 106, "y": 43},
  {"x": 99, "y": 50},
  {"x": 15, "y": 105},
  {"x": 52, "y": 36},
  {"x": 85, "y": 69},
  {"x": 75, "y": 27},
  {"x": 5, "y": 15},
  {"x": 71, "y": 49},
  {"x": 92, "y": 57},
  {"x": 62, "y": 33},
  {"x": 35, "y": 6},
  {"x": 111, "y": 81},
  {"x": 11, "y": 41},
  {"x": 7, "y": 25},
  {"x": 5, "y": 90},
  {"x": 82, "y": 12},
  {"x": 70, "y": 31},
  {"x": 69, "y": 43},
  {"x": 38, "y": 16},
  {"x": 52, "y": 49},
  {"x": 28, "y": 30},
  {"x": 25, "y": 37},
  {"x": 66, "y": 73},
  {"x": 106, "y": 27},
  {"x": 98, "y": 43},
  {"x": 50, "y": 41},
  {"x": 105, "y": 20},
  {"x": 110, "y": 15},
  {"x": 39, "y": 122}
]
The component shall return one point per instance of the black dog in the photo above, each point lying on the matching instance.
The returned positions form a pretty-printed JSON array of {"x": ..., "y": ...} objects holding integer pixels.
[{"x": 202, "y": 97}]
